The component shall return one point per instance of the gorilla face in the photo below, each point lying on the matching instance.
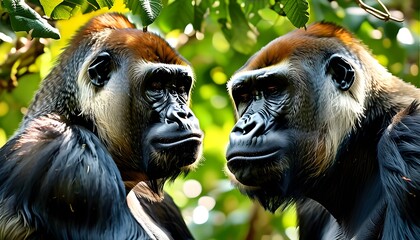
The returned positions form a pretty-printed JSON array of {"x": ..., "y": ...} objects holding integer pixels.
[
  {"x": 295, "y": 103},
  {"x": 137, "y": 96}
]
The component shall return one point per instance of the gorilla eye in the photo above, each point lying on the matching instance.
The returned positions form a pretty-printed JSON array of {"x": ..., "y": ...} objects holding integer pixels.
[
  {"x": 156, "y": 86},
  {"x": 182, "y": 89},
  {"x": 241, "y": 91},
  {"x": 241, "y": 95},
  {"x": 184, "y": 83},
  {"x": 341, "y": 71},
  {"x": 99, "y": 70},
  {"x": 244, "y": 97},
  {"x": 183, "y": 92},
  {"x": 272, "y": 89}
]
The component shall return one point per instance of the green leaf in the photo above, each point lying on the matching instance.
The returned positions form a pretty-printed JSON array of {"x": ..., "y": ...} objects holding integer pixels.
[
  {"x": 148, "y": 10},
  {"x": 49, "y": 5},
  {"x": 88, "y": 6},
  {"x": 176, "y": 15},
  {"x": 296, "y": 11},
  {"x": 199, "y": 12},
  {"x": 105, "y": 3},
  {"x": 253, "y": 6},
  {"x": 62, "y": 11},
  {"x": 243, "y": 38},
  {"x": 24, "y": 18},
  {"x": 268, "y": 14},
  {"x": 92, "y": 5}
]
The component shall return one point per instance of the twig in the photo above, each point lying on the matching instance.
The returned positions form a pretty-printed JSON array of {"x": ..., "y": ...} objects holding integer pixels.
[{"x": 383, "y": 15}]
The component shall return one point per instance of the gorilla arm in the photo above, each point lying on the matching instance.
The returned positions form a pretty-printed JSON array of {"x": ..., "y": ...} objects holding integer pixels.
[
  {"x": 399, "y": 163},
  {"x": 64, "y": 184}
]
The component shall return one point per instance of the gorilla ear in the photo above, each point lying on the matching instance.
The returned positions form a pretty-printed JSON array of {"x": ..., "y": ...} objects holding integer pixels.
[
  {"x": 99, "y": 70},
  {"x": 341, "y": 72}
]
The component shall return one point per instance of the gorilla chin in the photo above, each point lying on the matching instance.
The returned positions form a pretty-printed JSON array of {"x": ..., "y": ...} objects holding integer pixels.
[
  {"x": 263, "y": 179},
  {"x": 261, "y": 171},
  {"x": 259, "y": 163},
  {"x": 172, "y": 153},
  {"x": 248, "y": 170}
]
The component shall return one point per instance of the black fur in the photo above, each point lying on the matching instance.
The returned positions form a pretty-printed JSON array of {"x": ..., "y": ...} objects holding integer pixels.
[
  {"x": 379, "y": 198},
  {"x": 167, "y": 214},
  {"x": 353, "y": 175},
  {"x": 66, "y": 175},
  {"x": 399, "y": 163},
  {"x": 63, "y": 184}
]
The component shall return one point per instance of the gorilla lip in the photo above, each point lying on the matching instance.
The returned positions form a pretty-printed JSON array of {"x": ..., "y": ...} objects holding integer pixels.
[
  {"x": 245, "y": 166},
  {"x": 252, "y": 156},
  {"x": 175, "y": 141}
]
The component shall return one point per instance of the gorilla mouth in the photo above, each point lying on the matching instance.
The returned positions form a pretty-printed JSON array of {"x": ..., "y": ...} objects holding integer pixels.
[
  {"x": 252, "y": 156},
  {"x": 249, "y": 167},
  {"x": 179, "y": 140},
  {"x": 183, "y": 149},
  {"x": 173, "y": 153}
]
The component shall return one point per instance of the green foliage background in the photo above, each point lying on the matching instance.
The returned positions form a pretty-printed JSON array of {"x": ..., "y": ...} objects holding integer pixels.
[{"x": 217, "y": 37}]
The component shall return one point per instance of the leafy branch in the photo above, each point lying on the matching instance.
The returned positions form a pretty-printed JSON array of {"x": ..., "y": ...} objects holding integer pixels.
[{"x": 24, "y": 18}]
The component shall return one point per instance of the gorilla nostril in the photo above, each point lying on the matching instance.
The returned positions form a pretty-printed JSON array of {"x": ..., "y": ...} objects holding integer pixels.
[
  {"x": 248, "y": 128},
  {"x": 190, "y": 114},
  {"x": 168, "y": 121},
  {"x": 176, "y": 114},
  {"x": 249, "y": 125},
  {"x": 181, "y": 114}
]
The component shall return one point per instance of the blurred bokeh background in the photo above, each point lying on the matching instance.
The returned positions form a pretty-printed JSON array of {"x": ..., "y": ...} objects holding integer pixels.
[{"x": 229, "y": 33}]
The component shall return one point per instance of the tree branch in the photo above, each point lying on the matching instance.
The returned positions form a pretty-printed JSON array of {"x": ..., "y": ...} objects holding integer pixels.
[{"x": 383, "y": 15}]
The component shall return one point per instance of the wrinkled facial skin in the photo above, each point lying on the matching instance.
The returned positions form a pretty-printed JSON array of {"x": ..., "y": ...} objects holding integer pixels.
[
  {"x": 261, "y": 141},
  {"x": 263, "y": 151},
  {"x": 174, "y": 135},
  {"x": 258, "y": 136},
  {"x": 286, "y": 131},
  {"x": 140, "y": 106}
]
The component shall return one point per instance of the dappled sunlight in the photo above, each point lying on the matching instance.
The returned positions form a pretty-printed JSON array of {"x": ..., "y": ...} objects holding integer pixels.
[{"x": 404, "y": 36}]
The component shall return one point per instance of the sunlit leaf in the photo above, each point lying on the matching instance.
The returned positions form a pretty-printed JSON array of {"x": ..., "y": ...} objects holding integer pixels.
[
  {"x": 251, "y": 8},
  {"x": 243, "y": 38},
  {"x": 62, "y": 12},
  {"x": 88, "y": 6},
  {"x": 60, "y": 9},
  {"x": 148, "y": 10},
  {"x": 105, "y": 3},
  {"x": 268, "y": 14},
  {"x": 24, "y": 18},
  {"x": 296, "y": 11},
  {"x": 221, "y": 10},
  {"x": 255, "y": 5},
  {"x": 199, "y": 12},
  {"x": 176, "y": 15},
  {"x": 49, "y": 5}
]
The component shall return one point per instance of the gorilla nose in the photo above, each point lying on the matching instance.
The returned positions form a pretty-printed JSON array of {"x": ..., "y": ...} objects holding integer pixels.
[
  {"x": 248, "y": 126},
  {"x": 178, "y": 115}
]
